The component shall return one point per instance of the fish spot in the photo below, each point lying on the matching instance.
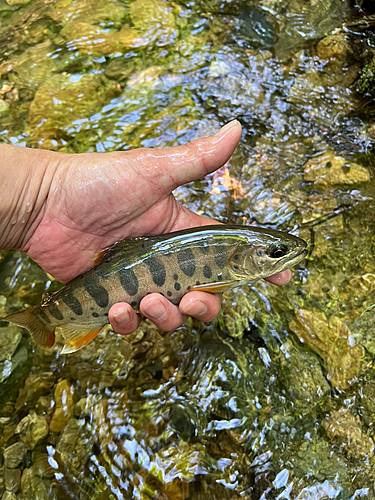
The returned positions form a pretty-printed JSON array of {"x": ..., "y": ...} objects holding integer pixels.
[
  {"x": 95, "y": 314},
  {"x": 188, "y": 288},
  {"x": 71, "y": 301},
  {"x": 40, "y": 320},
  {"x": 72, "y": 318},
  {"x": 44, "y": 316},
  {"x": 197, "y": 282},
  {"x": 129, "y": 281},
  {"x": 204, "y": 249},
  {"x": 177, "y": 287},
  {"x": 54, "y": 311},
  {"x": 97, "y": 292},
  {"x": 186, "y": 261},
  {"x": 134, "y": 304},
  {"x": 157, "y": 271},
  {"x": 175, "y": 277},
  {"x": 169, "y": 293},
  {"x": 221, "y": 255},
  {"x": 235, "y": 267},
  {"x": 207, "y": 272}
]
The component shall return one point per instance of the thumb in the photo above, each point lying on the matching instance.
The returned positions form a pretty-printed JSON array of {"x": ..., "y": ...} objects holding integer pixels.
[{"x": 173, "y": 167}]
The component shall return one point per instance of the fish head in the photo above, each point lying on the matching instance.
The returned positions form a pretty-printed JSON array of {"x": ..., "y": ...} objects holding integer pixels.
[{"x": 264, "y": 253}]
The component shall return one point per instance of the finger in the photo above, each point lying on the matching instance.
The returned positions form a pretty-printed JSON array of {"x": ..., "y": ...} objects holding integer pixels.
[
  {"x": 280, "y": 278},
  {"x": 200, "y": 305},
  {"x": 175, "y": 166},
  {"x": 161, "y": 312},
  {"x": 123, "y": 318}
]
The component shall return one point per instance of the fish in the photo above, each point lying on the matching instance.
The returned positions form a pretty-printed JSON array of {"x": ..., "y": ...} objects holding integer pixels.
[{"x": 212, "y": 259}]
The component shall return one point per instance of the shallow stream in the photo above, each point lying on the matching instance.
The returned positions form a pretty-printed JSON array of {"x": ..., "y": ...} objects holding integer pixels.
[{"x": 276, "y": 398}]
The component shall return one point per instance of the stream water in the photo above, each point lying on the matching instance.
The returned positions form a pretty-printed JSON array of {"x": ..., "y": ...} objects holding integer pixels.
[{"x": 276, "y": 398}]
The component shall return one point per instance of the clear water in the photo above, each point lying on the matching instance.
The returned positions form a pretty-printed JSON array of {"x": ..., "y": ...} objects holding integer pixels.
[{"x": 273, "y": 400}]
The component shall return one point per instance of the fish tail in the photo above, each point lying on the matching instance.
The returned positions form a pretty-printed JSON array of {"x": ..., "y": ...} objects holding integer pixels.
[{"x": 27, "y": 319}]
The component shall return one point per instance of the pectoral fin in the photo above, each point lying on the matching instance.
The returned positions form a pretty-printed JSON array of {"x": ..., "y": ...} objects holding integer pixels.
[
  {"x": 220, "y": 286},
  {"x": 76, "y": 338}
]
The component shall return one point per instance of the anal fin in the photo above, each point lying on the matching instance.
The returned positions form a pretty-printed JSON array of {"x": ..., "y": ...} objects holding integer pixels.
[
  {"x": 218, "y": 287},
  {"x": 75, "y": 338}
]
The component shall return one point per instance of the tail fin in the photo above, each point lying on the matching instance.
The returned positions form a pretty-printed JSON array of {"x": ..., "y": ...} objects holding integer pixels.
[{"x": 26, "y": 318}]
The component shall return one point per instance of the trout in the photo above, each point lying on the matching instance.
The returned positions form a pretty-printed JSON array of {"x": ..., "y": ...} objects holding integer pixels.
[{"x": 209, "y": 258}]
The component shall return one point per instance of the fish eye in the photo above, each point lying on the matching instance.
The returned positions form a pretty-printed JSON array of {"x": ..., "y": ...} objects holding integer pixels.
[{"x": 276, "y": 251}]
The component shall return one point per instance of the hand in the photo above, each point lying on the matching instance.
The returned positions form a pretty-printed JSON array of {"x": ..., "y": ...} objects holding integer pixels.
[{"x": 96, "y": 199}]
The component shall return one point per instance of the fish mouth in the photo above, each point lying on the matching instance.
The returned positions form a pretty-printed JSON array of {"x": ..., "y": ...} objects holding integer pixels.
[{"x": 296, "y": 258}]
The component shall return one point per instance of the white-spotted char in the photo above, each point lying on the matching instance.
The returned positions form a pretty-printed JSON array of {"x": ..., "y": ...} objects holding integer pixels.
[{"x": 209, "y": 258}]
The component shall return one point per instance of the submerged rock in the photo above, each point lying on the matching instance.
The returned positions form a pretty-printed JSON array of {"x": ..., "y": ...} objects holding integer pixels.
[
  {"x": 64, "y": 406},
  {"x": 32, "y": 430},
  {"x": 332, "y": 340},
  {"x": 65, "y": 98},
  {"x": 35, "y": 386},
  {"x": 10, "y": 337},
  {"x": 154, "y": 20},
  {"x": 12, "y": 479},
  {"x": 335, "y": 46},
  {"x": 33, "y": 487},
  {"x": 13, "y": 455},
  {"x": 9, "y": 366},
  {"x": 344, "y": 428},
  {"x": 303, "y": 379},
  {"x": 330, "y": 170}
]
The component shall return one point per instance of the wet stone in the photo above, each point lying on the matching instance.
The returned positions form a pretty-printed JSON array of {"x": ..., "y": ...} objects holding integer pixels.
[
  {"x": 7, "y": 367},
  {"x": 331, "y": 170},
  {"x": 12, "y": 479},
  {"x": 335, "y": 46},
  {"x": 64, "y": 406},
  {"x": 344, "y": 429},
  {"x": 4, "y": 108},
  {"x": 32, "y": 486},
  {"x": 10, "y": 337},
  {"x": 8, "y": 495},
  {"x": 35, "y": 386},
  {"x": 303, "y": 379},
  {"x": 13, "y": 455},
  {"x": 332, "y": 340},
  {"x": 32, "y": 430}
]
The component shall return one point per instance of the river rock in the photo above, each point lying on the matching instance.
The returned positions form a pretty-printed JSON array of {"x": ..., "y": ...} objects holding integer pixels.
[
  {"x": 8, "y": 495},
  {"x": 10, "y": 337},
  {"x": 330, "y": 170},
  {"x": 12, "y": 479},
  {"x": 35, "y": 386},
  {"x": 13, "y": 455},
  {"x": 64, "y": 406},
  {"x": 344, "y": 429},
  {"x": 32, "y": 429}
]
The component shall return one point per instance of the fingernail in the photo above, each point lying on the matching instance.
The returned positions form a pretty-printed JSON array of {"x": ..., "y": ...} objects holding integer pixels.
[
  {"x": 156, "y": 310},
  {"x": 196, "y": 308},
  {"x": 122, "y": 316},
  {"x": 226, "y": 127}
]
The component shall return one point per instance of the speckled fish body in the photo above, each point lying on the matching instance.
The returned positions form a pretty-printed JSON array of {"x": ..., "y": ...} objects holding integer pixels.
[{"x": 209, "y": 258}]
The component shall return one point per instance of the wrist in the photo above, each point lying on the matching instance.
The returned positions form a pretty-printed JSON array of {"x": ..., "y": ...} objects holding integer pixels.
[{"x": 26, "y": 176}]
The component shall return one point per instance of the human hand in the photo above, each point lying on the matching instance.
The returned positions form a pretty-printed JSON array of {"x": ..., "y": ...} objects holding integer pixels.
[{"x": 96, "y": 199}]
